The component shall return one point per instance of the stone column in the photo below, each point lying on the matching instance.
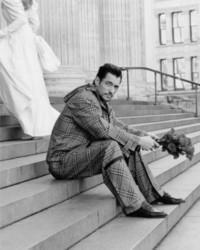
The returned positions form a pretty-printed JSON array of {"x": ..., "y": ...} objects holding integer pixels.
[
  {"x": 114, "y": 39},
  {"x": 137, "y": 49},
  {"x": 115, "y": 20},
  {"x": 60, "y": 27},
  {"x": 90, "y": 36},
  {"x": 151, "y": 37},
  {"x": 1, "y": 26}
]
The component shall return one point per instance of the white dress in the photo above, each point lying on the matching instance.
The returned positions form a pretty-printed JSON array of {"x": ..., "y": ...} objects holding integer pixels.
[{"x": 22, "y": 86}]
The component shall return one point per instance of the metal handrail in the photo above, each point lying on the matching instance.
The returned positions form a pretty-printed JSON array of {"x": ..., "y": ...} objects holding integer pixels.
[{"x": 162, "y": 74}]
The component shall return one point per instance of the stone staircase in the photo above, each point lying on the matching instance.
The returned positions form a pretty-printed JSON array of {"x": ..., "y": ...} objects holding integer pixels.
[
  {"x": 185, "y": 235},
  {"x": 39, "y": 212}
]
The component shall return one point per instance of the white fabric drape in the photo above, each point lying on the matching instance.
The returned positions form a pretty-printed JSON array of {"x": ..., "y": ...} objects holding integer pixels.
[{"x": 22, "y": 85}]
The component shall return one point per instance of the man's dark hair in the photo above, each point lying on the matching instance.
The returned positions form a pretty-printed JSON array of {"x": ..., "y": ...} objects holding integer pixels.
[{"x": 109, "y": 68}]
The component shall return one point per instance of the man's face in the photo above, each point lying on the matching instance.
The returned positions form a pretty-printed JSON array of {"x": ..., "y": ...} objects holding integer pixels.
[{"x": 108, "y": 86}]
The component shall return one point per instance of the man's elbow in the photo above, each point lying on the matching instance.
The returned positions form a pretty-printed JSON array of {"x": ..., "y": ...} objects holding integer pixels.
[{"x": 101, "y": 135}]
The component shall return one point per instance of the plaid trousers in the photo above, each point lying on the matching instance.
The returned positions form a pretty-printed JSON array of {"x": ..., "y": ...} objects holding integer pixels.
[{"x": 130, "y": 180}]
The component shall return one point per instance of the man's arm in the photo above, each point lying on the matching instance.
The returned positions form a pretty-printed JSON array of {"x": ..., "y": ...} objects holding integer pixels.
[
  {"x": 87, "y": 114},
  {"x": 126, "y": 127},
  {"x": 130, "y": 128}
]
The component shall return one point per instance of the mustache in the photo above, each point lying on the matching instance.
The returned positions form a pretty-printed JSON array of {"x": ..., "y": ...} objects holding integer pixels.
[{"x": 109, "y": 94}]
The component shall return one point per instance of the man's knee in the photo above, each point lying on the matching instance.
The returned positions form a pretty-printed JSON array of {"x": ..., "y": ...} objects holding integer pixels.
[
  {"x": 114, "y": 145},
  {"x": 109, "y": 148},
  {"x": 58, "y": 172},
  {"x": 113, "y": 153},
  {"x": 54, "y": 169}
]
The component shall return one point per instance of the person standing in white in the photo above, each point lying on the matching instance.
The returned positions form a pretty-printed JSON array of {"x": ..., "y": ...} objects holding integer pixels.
[{"x": 22, "y": 55}]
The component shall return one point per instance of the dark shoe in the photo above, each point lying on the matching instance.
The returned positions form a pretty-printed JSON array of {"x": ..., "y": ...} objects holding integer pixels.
[
  {"x": 167, "y": 199},
  {"x": 38, "y": 137},
  {"x": 31, "y": 138},
  {"x": 147, "y": 211}
]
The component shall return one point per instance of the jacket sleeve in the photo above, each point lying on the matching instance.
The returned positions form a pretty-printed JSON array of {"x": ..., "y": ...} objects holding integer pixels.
[
  {"x": 128, "y": 128},
  {"x": 87, "y": 114},
  {"x": 15, "y": 10}
]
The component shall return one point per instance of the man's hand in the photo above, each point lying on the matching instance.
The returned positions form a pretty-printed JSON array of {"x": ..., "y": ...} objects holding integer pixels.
[
  {"x": 153, "y": 136},
  {"x": 147, "y": 143}
]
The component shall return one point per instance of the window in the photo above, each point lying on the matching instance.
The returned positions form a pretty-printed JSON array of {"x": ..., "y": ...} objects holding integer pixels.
[
  {"x": 177, "y": 22},
  {"x": 193, "y": 26},
  {"x": 162, "y": 28},
  {"x": 163, "y": 68},
  {"x": 179, "y": 71},
  {"x": 194, "y": 70}
]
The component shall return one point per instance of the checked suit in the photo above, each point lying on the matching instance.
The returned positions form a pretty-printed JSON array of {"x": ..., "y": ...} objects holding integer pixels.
[{"x": 88, "y": 139}]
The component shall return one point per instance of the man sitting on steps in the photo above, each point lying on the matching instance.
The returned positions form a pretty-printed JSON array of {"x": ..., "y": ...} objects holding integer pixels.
[{"x": 88, "y": 139}]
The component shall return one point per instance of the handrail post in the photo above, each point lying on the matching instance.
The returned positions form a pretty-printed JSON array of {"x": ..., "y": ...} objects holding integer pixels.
[
  {"x": 128, "y": 86},
  {"x": 155, "y": 74},
  {"x": 196, "y": 95}
]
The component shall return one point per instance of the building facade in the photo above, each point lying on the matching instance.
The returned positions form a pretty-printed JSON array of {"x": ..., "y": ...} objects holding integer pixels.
[
  {"x": 177, "y": 42},
  {"x": 159, "y": 34},
  {"x": 87, "y": 33}
]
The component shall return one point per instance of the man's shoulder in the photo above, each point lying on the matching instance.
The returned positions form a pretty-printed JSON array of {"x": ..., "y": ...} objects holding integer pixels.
[{"x": 86, "y": 94}]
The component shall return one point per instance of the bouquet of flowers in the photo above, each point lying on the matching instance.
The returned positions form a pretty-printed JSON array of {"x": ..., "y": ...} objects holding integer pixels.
[{"x": 176, "y": 144}]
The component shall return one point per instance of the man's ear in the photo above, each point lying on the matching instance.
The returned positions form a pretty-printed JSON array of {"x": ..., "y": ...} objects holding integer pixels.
[{"x": 96, "y": 81}]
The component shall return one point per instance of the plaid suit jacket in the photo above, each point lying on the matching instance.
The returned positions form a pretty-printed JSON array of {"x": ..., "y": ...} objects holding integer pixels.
[{"x": 84, "y": 119}]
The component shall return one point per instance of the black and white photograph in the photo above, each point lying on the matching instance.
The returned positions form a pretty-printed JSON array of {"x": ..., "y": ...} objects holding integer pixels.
[{"x": 99, "y": 124}]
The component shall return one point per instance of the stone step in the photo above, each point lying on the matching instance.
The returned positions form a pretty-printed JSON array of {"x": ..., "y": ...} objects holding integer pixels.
[
  {"x": 185, "y": 235},
  {"x": 114, "y": 102},
  {"x": 65, "y": 224},
  {"x": 132, "y": 107},
  {"x": 8, "y": 120},
  {"x": 30, "y": 197},
  {"x": 158, "y": 154},
  {"x": 141, "y": 233},
  {"x": 14, "y": 132},
  {"x": 172, "y": 167},
  {"x": 36, "y": 195},
  {"x": 62, "y": 225},
  {"x": 17, "y": 170},
  {"x": 154, "y": 118},
  {"x": 131, "y": 102},
  {"x": 22, "y": 169},
  {"x": 135, "y": 112},
  {"x": 125, "y": 110},
  {"x": 179, "y": 129},
  {"x": 194, "y": 136},
  {"x": 5, "y": 111},
  {"x": 8, "y": 133},
  {"x": 122, "y": 107},
  {"x": 166, "y": 124},
  {"x": 14, "y": 149}
]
